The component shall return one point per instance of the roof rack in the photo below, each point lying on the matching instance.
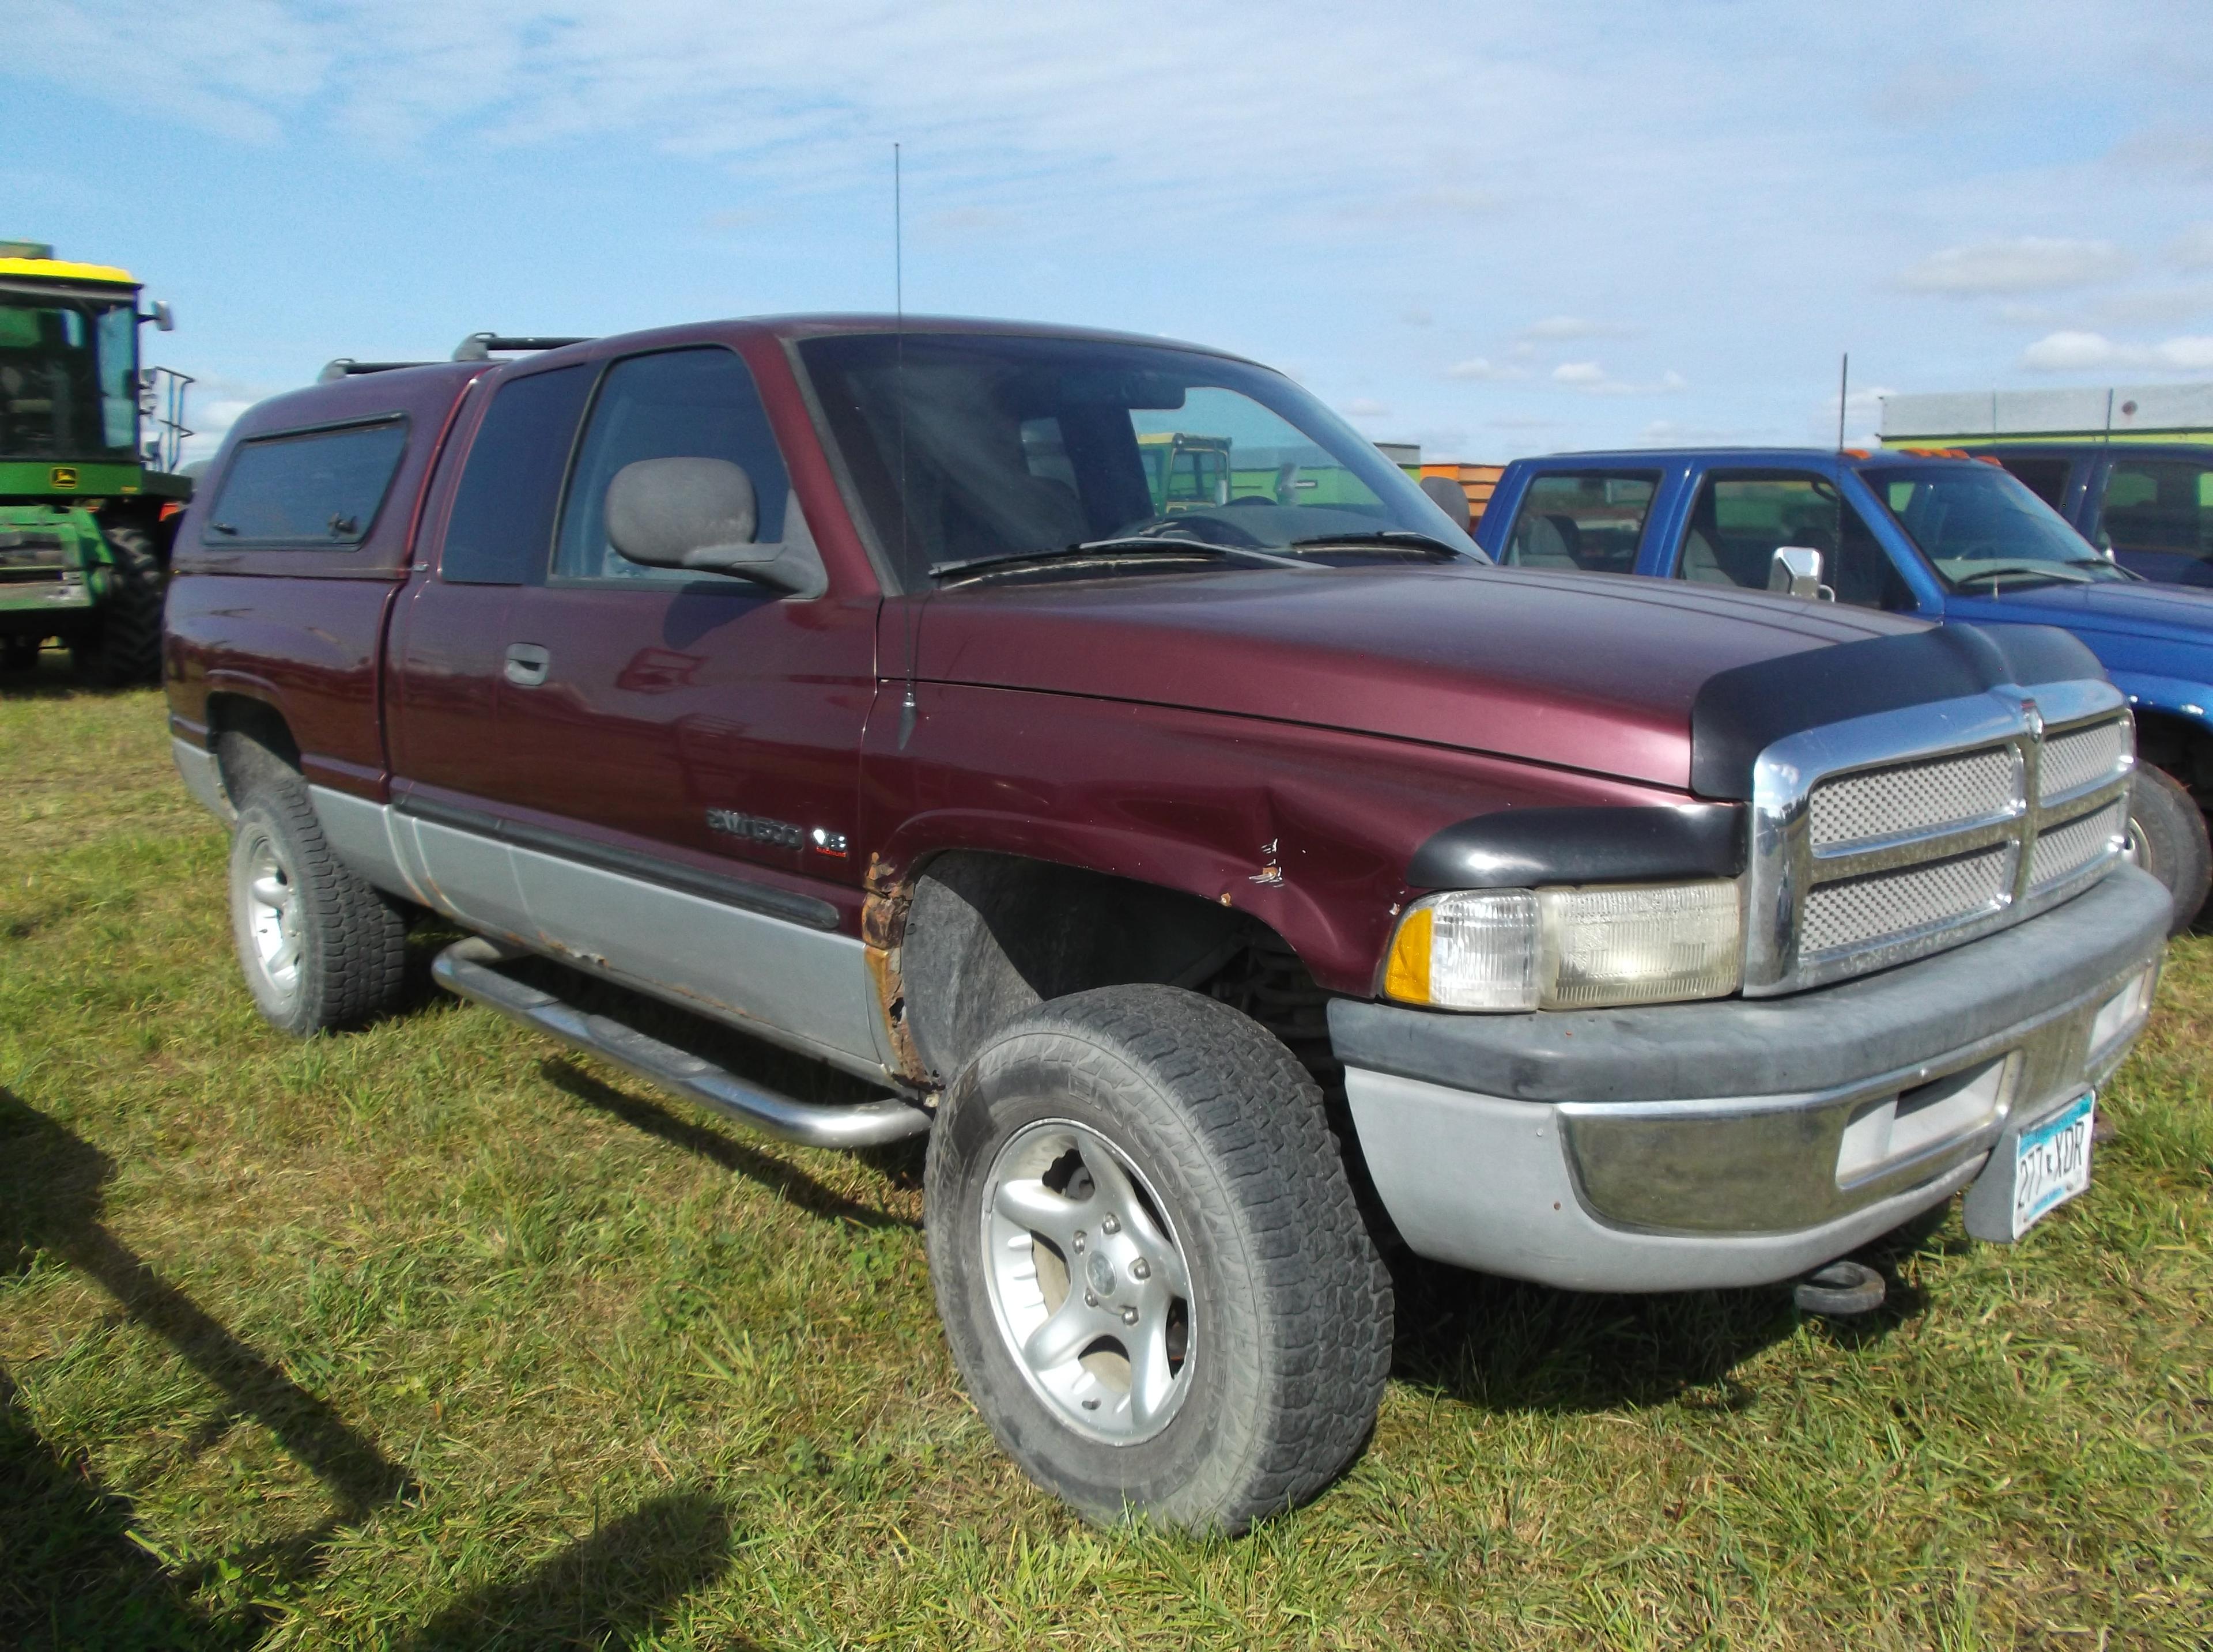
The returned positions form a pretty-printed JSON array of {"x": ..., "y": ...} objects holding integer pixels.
[
  {"x": 344, "y": 367},
  {"x": 478, "y": 346}
]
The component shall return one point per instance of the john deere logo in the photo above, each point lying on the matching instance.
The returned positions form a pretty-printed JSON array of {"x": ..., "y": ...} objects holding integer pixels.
[{"x": 64, "y": 476}]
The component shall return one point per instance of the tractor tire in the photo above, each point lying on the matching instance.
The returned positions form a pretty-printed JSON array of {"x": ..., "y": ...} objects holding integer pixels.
[
  {"x": 127, "y": 651},
  {"x": 2167, "y": 839},
  {"x": 319, "y": 947},
  {"x": 1148, "y": 1262},
  {"x": 20, "y": 653}
]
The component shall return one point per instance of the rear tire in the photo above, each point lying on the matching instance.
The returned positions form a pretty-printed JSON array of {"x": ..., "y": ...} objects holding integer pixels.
[
  {"x": 129, "y": 649},
  {"x": 321, "y": 949},
  {"x": 20, "y": 653},
  {"x": 2166, "y": 837},
  {"x": 1147, "y": 1158}
]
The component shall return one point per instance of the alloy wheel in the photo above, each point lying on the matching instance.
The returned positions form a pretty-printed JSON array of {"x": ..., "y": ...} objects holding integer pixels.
[{"x": 1088, "y": 1281}]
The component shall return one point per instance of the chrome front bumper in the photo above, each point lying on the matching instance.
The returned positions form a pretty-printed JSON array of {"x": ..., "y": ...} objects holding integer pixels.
[{"x": 1741, "y": 1141}]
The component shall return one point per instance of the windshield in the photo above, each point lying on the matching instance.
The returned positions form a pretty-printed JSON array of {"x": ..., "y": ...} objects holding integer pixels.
[
  {"x": 68, "y": 377},
  {"x": 976, "y": 447},
  {"x": 1980, "y": 528}
]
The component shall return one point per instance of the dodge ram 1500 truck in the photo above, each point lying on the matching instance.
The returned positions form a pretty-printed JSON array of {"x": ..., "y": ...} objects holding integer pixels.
[{"x": 1227, "y": 892}]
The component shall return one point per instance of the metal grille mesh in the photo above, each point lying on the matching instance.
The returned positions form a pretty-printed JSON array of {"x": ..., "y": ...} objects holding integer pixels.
[
  {"x": 1854, "y": 911},
  {"x": 2061, "y": 850},
  {"x": 1912, "y": 796},
  {"x": 2082, "y": 757}
]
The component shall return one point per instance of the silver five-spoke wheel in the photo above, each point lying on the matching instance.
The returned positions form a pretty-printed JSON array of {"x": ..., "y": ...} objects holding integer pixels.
[
  {"x": 1087, "y": 1281},
  {"x": 273, "y": 912}
]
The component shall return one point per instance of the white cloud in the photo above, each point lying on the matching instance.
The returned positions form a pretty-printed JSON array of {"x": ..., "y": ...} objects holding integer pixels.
[
  {"x": 2027, "y": 264},
  {"x": 1594, "y": 379},
  {"x": 2194, "y": 248},
  {"x": 1667, "y": 433},
  {"x": 2075, "y": 352},
  {"x": 1925, "y": 95},
  {"x": 2178, "y": 149},
  {"x": 1564, "y": 327},
  {"x": 1482, "y": 368},
  {"x": 1288, "y": 191},
  {"x": 1863, "y": 417},
  {"x": 2061, "y": 352},
  {"x": 1362, "y": 407}
]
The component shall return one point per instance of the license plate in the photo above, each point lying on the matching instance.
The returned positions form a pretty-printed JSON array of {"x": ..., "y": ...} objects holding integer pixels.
[{"x": 2051, "y": 1163}]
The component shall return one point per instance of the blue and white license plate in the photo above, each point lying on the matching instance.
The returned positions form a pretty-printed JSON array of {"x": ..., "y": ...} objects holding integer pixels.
[{"x": 2051, "y": 1162}]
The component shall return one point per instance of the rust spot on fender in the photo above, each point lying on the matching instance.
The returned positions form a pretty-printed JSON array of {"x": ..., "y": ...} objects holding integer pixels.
[{"x": 883, "y": 929}]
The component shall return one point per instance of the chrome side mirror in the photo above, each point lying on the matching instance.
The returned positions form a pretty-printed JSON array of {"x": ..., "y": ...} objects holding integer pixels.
[
  {"x": 1796, "y": 570},
  {"x": 164, "y": 319}
]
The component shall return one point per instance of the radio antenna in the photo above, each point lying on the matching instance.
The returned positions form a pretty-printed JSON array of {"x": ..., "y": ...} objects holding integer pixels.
[
  {"x": 899, "y": 398},
  {"x": 1843, "y": 385}
]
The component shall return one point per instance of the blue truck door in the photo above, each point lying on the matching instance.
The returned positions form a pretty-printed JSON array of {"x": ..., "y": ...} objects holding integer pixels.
[
  {"x": 1739, "y": 515},
  {"x": 1583, "y": 516}
]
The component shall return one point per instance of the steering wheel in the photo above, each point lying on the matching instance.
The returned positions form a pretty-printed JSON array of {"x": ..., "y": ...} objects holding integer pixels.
[
  {"x": 1215, "y": 531},
  {"x": 1253, "y": 499}
]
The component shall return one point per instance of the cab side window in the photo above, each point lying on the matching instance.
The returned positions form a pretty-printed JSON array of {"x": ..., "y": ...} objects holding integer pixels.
[
  {"x": 1740, "y": 521},
  {"x": 675, "y": 403},
  {"x": 320, "y": 490},
  {"x": 1588, "y": 521},
  {"x": 502, "y": 523}
]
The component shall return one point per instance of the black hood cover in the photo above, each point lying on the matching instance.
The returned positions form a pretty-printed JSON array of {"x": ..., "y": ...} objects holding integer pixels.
[{"x": 1740, "y": 712}]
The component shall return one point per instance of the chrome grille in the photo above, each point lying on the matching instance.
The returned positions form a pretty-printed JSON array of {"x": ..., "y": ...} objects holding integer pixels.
[
  {"x": 1855, "y": 911},
  {"x": 2083, "y": 757},
  {"x": 1899, "y": 833},
  {"x": 2072, "y": 847},
  {"x": 1913, "y": 797}
]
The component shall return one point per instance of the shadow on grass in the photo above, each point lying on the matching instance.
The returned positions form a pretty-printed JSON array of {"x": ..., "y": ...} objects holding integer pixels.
[
  {"x": 1504, "y": 1344},
  {"x": 785, "y": 1071},
  {"x": 69, "y": 1574},
  {"x": 786, "y": 1181},
  {"x": 50, "y": 1185},
  {"x": 617, "y": 1586}
]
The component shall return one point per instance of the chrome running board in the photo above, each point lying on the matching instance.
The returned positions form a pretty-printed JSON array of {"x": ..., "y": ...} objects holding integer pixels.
[{"x": 465, "y": 968}]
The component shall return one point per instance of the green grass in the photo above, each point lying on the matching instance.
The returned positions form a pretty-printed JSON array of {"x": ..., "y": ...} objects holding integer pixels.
[{"x": 432, "y": 1335}]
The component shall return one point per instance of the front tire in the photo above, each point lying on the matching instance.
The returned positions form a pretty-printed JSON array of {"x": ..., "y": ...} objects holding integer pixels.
[
  {"x": 2166, "y": 837},
  {"x": 1148, "y": 1263},
  {"x": 321, "y": 949}
]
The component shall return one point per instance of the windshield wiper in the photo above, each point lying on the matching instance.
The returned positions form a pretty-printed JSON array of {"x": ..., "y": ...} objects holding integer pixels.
[
  {"x": 1126, "y": 542},
  {"x": 1397, "y": 538},
  {"x": 2057, "y": 571}
]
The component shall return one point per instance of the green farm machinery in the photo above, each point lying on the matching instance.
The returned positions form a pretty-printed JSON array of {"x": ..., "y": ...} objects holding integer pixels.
[{"x": 90, "y": 488}]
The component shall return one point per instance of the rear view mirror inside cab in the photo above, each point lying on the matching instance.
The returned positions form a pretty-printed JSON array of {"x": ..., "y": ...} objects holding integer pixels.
[{"x": 700, "y": 514}]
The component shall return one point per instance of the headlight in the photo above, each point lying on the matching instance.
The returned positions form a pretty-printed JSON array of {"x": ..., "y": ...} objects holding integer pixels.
[{"x": 1582, "y": 948}]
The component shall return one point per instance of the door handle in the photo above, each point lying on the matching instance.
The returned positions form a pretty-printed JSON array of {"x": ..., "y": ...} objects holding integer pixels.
[{"x": 526, "y": 664}]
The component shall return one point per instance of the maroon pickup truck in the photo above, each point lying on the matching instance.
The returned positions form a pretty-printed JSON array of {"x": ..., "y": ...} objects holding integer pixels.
[{"x": 1097, "y": 746}]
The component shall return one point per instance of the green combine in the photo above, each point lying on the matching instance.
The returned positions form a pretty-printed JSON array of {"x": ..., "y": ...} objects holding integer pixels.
[{"x": 88, "y": 486}]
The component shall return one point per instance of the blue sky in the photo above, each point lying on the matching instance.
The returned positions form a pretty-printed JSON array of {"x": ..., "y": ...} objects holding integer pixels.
[{"x": 1494, "y": 229}]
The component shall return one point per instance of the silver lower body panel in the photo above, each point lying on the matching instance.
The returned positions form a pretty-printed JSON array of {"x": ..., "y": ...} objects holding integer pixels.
[{"x": 1690, "y": 1194}]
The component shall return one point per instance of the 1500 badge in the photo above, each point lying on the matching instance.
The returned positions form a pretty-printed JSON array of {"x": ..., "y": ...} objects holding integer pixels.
[{"x": 779, "y": 834}]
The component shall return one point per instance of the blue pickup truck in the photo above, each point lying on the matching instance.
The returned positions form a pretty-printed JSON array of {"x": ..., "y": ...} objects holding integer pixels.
[{"x": 1946, "y": 538}]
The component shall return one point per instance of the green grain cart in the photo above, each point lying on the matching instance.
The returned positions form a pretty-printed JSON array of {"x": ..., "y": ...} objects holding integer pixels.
[{"x": 89, "y": 488}]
